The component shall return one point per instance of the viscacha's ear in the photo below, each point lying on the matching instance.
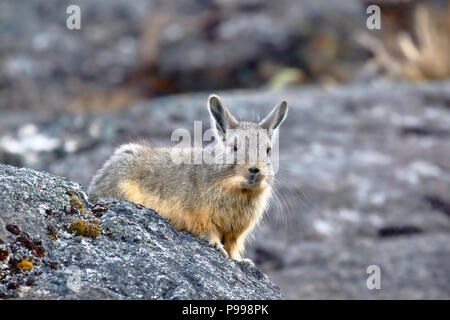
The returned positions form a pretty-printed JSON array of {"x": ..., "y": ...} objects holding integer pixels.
[
  {"x": 275, "y": 117},
  {"x": 221, "y": 116}
]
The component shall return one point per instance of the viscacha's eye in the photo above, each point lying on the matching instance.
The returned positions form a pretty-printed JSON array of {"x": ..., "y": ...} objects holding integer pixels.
[{"x": 269, "y": 151}]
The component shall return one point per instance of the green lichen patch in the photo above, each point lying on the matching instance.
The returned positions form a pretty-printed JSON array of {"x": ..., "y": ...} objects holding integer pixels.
[
  {"x": 85, "y": 228},
  {"x": 76, "y": 203}
]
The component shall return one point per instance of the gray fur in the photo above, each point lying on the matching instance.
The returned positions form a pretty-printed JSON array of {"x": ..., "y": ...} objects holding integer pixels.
[
  {"x": 222, "y": 200},
  {"x": 275, "y": 118},
  {"x": 154, "y": 167}
]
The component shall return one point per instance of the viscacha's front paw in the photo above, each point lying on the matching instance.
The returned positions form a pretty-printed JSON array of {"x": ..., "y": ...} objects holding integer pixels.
[
  {"x": 219, "y": 247},
  {"x": 247, "y": 261}
]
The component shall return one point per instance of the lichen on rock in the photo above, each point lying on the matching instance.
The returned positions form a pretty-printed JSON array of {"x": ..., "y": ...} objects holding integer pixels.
[
  {"x": 24, "y": 265},
  {"x": 85, "y": 228},
  {"x": 124, "y": 251}
]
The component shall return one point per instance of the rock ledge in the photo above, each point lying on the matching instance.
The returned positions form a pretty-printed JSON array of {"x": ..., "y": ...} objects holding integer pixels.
[{"x": 137, "y": 255}]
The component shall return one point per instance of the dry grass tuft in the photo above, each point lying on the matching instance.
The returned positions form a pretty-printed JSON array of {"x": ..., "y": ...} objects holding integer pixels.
[{"x": 422, "y": 53}]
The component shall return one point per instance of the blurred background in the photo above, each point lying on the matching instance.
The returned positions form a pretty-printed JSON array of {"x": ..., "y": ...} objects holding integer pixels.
[{"x": 365, "y": 151}]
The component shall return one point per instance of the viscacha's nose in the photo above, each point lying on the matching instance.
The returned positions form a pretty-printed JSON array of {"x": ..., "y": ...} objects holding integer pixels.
[{"x": 253, "y": 170}]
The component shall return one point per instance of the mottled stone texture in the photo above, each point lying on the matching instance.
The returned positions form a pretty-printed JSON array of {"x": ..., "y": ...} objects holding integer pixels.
[
  {"x": 364, "y": 179},
  {"x": 137, "y": 256}
]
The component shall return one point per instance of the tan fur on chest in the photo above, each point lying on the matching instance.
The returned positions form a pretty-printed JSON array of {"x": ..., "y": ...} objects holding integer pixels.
[
  {"x": 238, "y": 209},
  {"x": 230, "y": 214}
]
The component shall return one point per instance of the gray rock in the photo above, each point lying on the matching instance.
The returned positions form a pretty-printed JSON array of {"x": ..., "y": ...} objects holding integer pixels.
[
  {"x": 364, "y": 179},
  {"x": 138, "y": 254}
]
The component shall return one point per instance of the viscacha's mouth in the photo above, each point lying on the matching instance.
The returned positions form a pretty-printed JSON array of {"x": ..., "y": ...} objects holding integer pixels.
[{"x": 252, "y": 181}]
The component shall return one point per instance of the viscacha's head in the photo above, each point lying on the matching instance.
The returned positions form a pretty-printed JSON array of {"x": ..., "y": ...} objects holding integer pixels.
[{"x": 245, "y": 147}]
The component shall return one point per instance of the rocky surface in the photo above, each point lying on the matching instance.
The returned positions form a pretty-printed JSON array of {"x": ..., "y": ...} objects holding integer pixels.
[
  {"x": 135, "y": 254},
  {"x": 364, "y": 179}
]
